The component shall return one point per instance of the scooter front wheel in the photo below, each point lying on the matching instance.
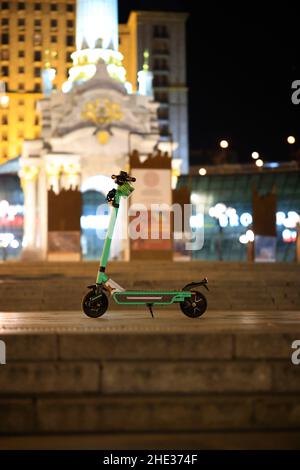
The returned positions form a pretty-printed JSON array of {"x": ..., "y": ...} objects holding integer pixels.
[
  {"x": 94, "y": 305},
  {"x": 195, "y": 306}
]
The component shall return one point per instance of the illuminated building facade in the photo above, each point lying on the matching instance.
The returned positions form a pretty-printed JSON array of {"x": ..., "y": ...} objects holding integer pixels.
[
  {"x": 163, "y": 35},
  {"x": 32, "y": 34},
  {"x": 35, "y": 35}
]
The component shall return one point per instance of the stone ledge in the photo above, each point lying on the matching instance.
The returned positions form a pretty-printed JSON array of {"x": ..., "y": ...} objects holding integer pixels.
[
  {"x": 146, "y": 346},
  {"x": 186, "y": 377},
  {"x": 41, "y": 377},
  {"x": 208, "y": 440}
]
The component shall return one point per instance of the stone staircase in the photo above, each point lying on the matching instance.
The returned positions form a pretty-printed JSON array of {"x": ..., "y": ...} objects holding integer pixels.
[
  {"x": 233, "y": 286},
  {"x": 224, "y": 381}
]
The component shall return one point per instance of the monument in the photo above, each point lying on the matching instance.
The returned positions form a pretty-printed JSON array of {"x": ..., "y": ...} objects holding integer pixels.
[{"x": 88, "y": 129}]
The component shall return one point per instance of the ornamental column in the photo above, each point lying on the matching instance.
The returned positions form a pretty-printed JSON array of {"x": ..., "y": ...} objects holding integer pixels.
[{"x": 29, "y": 174}]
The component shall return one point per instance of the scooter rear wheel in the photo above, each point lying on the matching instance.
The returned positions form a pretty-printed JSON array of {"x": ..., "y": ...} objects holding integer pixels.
[
  {"x": 195, "y": 306},
  {"x": 92, "y": 307}
]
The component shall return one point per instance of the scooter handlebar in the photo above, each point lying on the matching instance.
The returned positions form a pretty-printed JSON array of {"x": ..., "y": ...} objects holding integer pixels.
[{"x": 123, "y": 177}]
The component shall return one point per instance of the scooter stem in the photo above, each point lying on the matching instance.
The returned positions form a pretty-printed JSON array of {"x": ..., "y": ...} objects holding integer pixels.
[
  {"x": 113, "y": 197},
  {"x": 101, "y": 276}
]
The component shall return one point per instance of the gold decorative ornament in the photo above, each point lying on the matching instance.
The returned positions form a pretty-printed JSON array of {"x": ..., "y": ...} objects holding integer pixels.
[
  {"x": 102, "y": 112},
  {"x": 28, "y": 173},
  {"x": 103, "y": 137}
]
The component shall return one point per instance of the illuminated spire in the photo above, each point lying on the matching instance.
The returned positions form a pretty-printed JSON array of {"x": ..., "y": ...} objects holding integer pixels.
[
  {"x": 145, "y": 77},
  {"x": 97, "y": 39},
  {"x": 146, "y": 60},
  {"x": 97, "y": 19}
]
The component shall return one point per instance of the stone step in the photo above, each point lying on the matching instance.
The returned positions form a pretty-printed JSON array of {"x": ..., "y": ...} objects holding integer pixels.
[
  {"x": 124, "y": 378},
  {"x": 233, "y": 286}
]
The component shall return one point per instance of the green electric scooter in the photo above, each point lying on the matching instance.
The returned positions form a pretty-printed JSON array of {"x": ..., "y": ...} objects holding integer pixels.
[{"x": 95, "y": 302}]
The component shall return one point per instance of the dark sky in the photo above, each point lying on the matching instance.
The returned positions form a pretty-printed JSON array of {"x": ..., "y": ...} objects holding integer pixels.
[{"x": 241, "y": 61}]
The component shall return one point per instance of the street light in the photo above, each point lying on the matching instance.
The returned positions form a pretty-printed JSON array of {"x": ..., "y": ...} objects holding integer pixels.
[
  {"x": 255, "y": 155},
  {"x": 202, "y": 172},
  {"x": 259, "y": 162},
  {"x": 291, "y": 139},
  {"x": 224, "y": 144}
]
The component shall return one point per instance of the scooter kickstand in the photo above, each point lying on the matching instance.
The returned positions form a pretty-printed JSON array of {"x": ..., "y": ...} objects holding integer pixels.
[{"x": 150, "y": 308}]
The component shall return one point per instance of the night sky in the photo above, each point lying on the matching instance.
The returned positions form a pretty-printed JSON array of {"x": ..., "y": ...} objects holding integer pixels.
[{"x": 241, "y": 62}]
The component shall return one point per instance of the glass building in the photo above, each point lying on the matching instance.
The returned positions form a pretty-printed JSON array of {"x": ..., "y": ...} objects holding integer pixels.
[{"x": 234, "y": 192}]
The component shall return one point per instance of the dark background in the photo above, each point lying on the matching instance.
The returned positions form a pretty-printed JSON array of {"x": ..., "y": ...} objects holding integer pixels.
[{"x": 241, "y": 61}]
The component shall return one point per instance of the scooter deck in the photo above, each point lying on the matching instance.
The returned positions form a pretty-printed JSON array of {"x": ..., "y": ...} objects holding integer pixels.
[{"x": 150, "y": 297}]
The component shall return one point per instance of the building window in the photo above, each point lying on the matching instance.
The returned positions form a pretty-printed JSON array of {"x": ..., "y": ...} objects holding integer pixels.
[
  {"x": 53, "y": 23},
  {"x": 160, "y": 47},
  {"x": 70, "y": 40},
  {"x": 21, "y": 87},
  {"x": 4, "y": 137},
  {"x": 4, "y": 120},
  {"x": 53, "y": 38},
  {"x": 21, "y": 38},
  {"x": 21, "y": 69},
  {"x": 4, "y": 54},
  {"x": 70, "y": 7},
  {"x": 37, "y": 72},
  {"x": 37, "y": 56},
  {"x": 37, "y": 6},
  {"x": 68, "y": 57},
  {"x": 21, "y": 22},
  {"x": 21, "y": 6},
  {"x": 36, "y": 121},
  {"x": 37, "y": 39},
  {"x": 4, "y": 5},
  {"x": 5, "y": 38},
  {"x": 37, "y": 23},
  {"x": 160, "y": 81},
  {"x": 70, "y": 23},
  {"x": 37, "y": 88},
  {"x": 21, "y": 54},
  {"x": 160, "y": 64},
  {"x": 5, "y": 21},
  {"x": 163, "y": 113},
  {"x": 5, "y": 70},
  {"x": 160, "y": 31},
  {"x": 161, "y": 97},
  {"x": 164, "y": 130},
  {"x": 21, "y": 102},
  {"x": 21, "y": 118},
  {"x": 53, "y": 7}
]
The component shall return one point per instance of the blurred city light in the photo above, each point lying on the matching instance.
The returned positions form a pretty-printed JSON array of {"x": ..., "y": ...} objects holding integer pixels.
[
  {"x": 291, "y": 139},
  {"x": 259, "y": 162},
  {"x": 224, "y": 144},
  {"x": 255, "y": 155}
]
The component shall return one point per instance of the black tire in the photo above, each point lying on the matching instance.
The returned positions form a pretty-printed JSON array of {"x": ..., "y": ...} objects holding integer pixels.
[
  {"x": 195, "y": 306},
  {"x": 98, "y": 307}
]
